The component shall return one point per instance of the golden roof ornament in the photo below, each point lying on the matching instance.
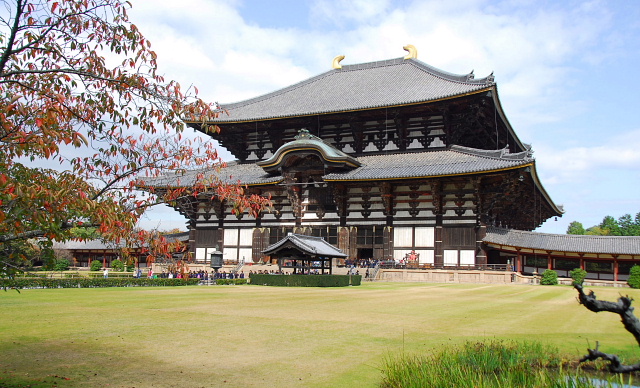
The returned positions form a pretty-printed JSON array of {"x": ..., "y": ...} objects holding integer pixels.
[
  {"x": 336, "y": 62},
  {"x": 412, "y": 50}
]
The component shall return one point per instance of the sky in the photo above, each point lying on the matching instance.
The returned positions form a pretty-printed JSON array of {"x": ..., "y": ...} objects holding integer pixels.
[{"x": 567, "y": 72}]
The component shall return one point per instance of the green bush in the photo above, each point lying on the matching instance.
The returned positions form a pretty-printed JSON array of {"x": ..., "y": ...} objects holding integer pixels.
[
  {"x": 95, "y": 265},
  {"x": 94, "y": 282},
  {"x": 578, "y": 275},
  {"x": 61, "y": 265},
  {"x": 117, "y": 265},
  {"x": 225, "y": 282},
  {"x": 549, "y": 278},
  {"x": 306, "y": 280},
  {"x": 634, "y": 277}
]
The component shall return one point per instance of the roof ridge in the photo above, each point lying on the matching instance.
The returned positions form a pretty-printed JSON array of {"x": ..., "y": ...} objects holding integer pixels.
[
  {"x": 461, "y": 78},
  {"x": 301, "y": 241},
  {"x": 316, "y": 238},
  {"x": 499, "y": 229},
  {"x": 501, "y": 154},
  {"x": 468, "y": 79}
]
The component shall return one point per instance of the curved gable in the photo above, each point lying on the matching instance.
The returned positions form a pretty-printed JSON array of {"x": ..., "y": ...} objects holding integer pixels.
[{"x": 306, "y": 144}]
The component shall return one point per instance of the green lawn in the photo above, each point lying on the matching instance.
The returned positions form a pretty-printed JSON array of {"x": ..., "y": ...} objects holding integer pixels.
[{"x": 254, "y": 336}]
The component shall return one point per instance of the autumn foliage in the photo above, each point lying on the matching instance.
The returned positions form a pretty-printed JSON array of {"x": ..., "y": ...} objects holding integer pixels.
[{"x": 80, "y": 90}]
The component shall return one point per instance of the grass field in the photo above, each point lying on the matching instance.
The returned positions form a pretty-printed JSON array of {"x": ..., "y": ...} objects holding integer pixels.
[{"x": 254, "y": 336}]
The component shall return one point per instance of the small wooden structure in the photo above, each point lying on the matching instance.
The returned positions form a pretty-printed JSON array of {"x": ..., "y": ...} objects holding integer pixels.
[{"x": 304, "y": 254}]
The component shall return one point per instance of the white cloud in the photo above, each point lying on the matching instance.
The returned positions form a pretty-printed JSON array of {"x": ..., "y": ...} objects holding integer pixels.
[
  {"x": 589, "y": 166},
  {"x": 540, "y": 52},
  {"x": 341, "y": 13}
]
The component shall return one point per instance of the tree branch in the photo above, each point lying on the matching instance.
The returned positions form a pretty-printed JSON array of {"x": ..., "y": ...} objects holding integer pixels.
[
  {"x": 39, "y": 233},
  {"x": 629, "y": 320},
  {"x": 12, "y": 37}
]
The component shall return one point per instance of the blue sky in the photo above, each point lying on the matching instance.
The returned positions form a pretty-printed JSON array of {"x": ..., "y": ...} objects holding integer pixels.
[{"x": 567, "y": 71}]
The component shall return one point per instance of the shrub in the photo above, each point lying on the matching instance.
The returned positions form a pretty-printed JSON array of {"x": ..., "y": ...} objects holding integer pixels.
[
  {"x": 96, "y": 265},
  {"x": 634, "y": 277},
  {"x": 306, "y": 280},
  {"x": 61, "y": 265},
  {"x": 117, "y": 265},
  {"x": 224, "y": 282},
  {"x": 94, "y": 282},
  {"x": 578, "y": 275},
  {"x": 549, "y": 278}
]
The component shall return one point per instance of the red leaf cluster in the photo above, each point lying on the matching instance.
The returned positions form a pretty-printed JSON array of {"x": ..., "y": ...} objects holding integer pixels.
[{"x": 62, "y": 88}]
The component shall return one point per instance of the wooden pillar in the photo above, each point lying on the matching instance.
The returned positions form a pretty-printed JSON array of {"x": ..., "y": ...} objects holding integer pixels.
[
  {"x": 438, "y": 246},
  {"x": 297, "y": 206},
  {"x": 344, "y": 241},
  {"x": 481, "y": 256},
  {"x": 581, "y": 261},
  {"x": 615, "y": 268},
  {"x": 549, "y": 261},
  {"x": 518, "y": 263},
  {"x": 192, "y": 243}
]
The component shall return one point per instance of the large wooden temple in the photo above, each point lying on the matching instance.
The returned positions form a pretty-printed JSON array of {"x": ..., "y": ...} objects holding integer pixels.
[{"x": 380, "y": 159}]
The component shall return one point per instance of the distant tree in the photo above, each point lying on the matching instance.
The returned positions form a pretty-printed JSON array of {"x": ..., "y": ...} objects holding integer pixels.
[
  {"x": 623, "y": 226},
  {"x": 597, "y": 231},
  {"x": 85, "y": 233},
  {"x": 576, "y": 227},
  {"x": 610, "y": 225},
  {"x": 629, "y": 226},
  {"x": 171, "y": 231}
]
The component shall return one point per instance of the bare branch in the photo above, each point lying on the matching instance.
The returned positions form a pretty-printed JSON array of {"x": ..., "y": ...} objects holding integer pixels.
[{"x": 631, "y": 323}]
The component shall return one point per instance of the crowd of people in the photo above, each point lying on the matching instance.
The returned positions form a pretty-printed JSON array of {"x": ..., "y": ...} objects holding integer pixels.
[
  {"x": 201, "y": 274},
  {"x": 361, "y": 263}
]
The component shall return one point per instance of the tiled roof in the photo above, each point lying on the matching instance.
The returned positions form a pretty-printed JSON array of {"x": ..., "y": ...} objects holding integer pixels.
[
  {"x": 86, "y": 245},
  {"x": 248, "y": 174},
  {"x": 615, "y": 245},
  {"x": 98, "y": 244},
  {"x": 355, "y": 87},
  {"x": 311, "y": 245},
  {"x": 457, "y": 160}
]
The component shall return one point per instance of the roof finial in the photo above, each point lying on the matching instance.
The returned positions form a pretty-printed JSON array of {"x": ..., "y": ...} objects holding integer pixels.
[
  {"x": 412, "y": 50},
  {"x": 336, "y": 62}
]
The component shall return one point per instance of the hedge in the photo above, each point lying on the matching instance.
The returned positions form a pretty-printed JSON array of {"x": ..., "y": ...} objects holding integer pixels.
[
  {"x": 93, "y": 282},
  {"x": 231, "y": 281},
  {"x": 306, "y": 280}
]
